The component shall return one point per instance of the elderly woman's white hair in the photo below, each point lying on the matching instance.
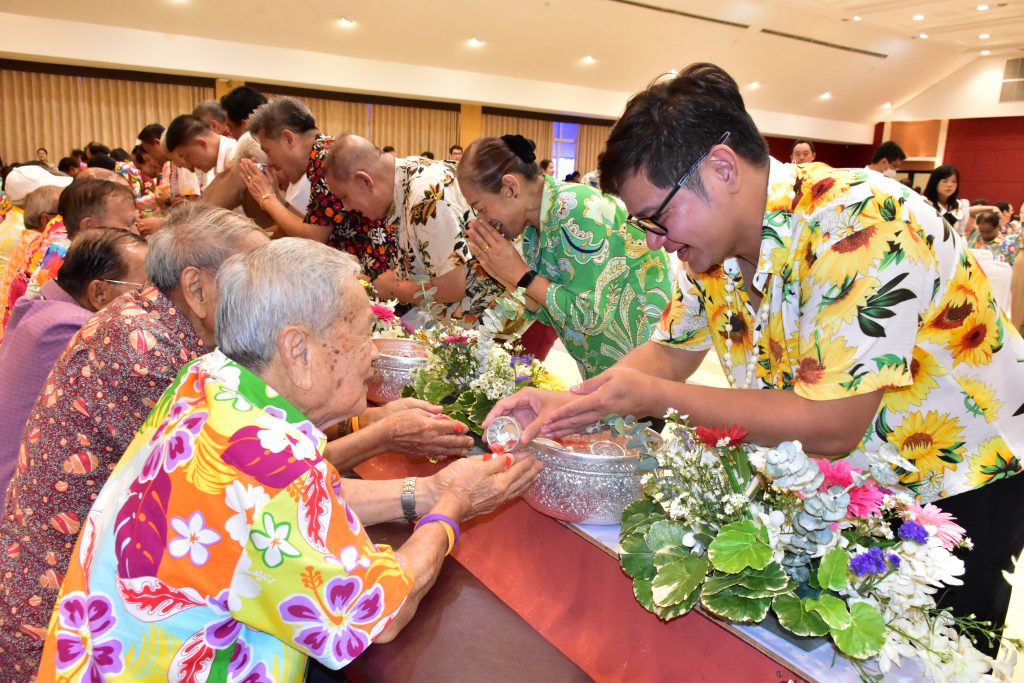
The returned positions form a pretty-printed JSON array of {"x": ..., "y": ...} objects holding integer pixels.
[{"x": 290, "y": 281}]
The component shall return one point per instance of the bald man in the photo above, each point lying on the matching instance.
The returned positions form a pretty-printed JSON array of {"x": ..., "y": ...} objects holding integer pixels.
[{"x": 425, "y": 215}]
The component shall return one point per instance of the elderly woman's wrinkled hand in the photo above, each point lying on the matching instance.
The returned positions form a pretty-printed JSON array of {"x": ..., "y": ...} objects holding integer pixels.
[
  {"x": 418, "y": 431},
  {"x": 260, "y": 183},
  {"x": 482, "y": 483},
  {"x": 495, "y": 253}
]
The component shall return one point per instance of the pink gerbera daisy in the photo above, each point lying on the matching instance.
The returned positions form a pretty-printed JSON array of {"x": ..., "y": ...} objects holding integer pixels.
[{"x": 939, "y": 523}]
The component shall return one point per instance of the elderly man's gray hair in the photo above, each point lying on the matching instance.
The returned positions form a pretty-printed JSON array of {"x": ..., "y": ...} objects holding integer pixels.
[
  {"x": 291, "y": 281},
  {"x": 197, "y": 235},
  {"x": 279, "y": 114}
]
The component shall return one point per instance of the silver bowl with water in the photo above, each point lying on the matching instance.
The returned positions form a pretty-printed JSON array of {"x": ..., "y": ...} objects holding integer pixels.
[
  {"x": 394, "y": 367},
  {"x": 583, "y": 487}
]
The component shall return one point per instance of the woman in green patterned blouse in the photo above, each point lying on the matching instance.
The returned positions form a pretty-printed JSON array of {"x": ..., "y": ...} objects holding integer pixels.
[{"x": 586, "y": 272}]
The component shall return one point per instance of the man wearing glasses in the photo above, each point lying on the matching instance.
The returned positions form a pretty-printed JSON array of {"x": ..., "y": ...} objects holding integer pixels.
[{"x": 844, "y": 313}]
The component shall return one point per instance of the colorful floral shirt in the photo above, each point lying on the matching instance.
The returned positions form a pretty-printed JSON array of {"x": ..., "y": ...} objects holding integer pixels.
[
  {"x": 865, "y": 288},
  {"x": 607, "y": 288},
  {"x": 28, "y": 259},
  {"x": 369, "y": 241},
  {"x": 129, "y": 172},
  {"x": 1003, "y": 247},
  {"x": 428, "y": 222},
  {"x": 12, "y": 228},
  {"x": 94, "y": 401},
  {"x": 221, "y": 544}
]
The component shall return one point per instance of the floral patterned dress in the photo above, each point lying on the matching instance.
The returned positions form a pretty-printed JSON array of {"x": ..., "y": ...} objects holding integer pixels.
[
  {"x": 29, "y": 258},
  {"x": 98, "y": 394},
  {"x": 866, "y": 288},
  {"x": 607, "y": 288},
  {"x": 1003, "y": 247},
  {"x": 428, "y": 225},
  {"x": 369, "y": 241},
  {"x": 221, "y": 549}
]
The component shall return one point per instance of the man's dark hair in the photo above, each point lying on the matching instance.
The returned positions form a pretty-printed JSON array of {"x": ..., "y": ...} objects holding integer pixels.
[
  {"x": 988, "y": 218},
  {"x": 120, "y": 154},
  {"x": 672, "y": 123},
  {"x": 281, "y": 114},
  {"x": 387, "y": 148},
  {"x": 151, "y": 133},
  {"x": 102, "y": 161},
  {"x": 890, "y": 151},
  {"x": 78, "y": 153},
  {"x": 97, "y": 148},
  {"x": 241, "y": 102},
  {"x": 803, "y": 142},
  {"x": 1003, "y": 206},
  {"x": 184, "y": 130},
  {"x": 41, "y": 149},
  {"x": 139, "y": 155},
  {"x": 455, "y": 147},
  {"x": 427, "y": 154},
  {"x": 95, "y": 255},
  {"x": 67, "y": 163},
  {"x": 84, "y": 198}
]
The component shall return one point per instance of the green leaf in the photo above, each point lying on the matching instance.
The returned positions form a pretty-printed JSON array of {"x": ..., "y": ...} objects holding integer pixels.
[
  {"x": 763, "y": 583},
  {"x": 677, "y": 580},
  {"x": 889, "y": 359},
  {"x": 639, "y": 515},
  {"x": 636, "y": 557},
  {"x": 870, "y": 327},
  {"x": 665, "y": 534},
  {"x": 717, "y": 584},
  {"x": 737, "y": 608},
  {"x": 642, "y": 592},
  {"x": 794, "y": 616},
  {"x": 740, "y": 545},
  {"x": 834, "y": 570},
  {"x": 670, "y": 554},
  {"x": 831, "y": 609},
  {"x": 865, "y": 635},
  {"x": 681, "y": 608}
]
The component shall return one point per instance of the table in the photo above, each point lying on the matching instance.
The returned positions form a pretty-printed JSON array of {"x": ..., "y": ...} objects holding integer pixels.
[{"x": 571, "y": 590}]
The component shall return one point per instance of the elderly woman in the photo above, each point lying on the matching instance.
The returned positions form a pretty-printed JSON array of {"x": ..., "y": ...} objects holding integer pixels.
[
  {"x": 586, "y": 271},
  {"x": 224, "y": 540}
]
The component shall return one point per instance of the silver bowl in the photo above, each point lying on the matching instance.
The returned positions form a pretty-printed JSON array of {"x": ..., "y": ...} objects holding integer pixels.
[
  {"x": 582, "y": 487},
  {"x": 394, "y": 367}
]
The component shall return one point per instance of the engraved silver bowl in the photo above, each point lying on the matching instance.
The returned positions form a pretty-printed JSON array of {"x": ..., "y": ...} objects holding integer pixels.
[
  {"x": 394, "y": 367},
  {"x": 582, "y": 487}
]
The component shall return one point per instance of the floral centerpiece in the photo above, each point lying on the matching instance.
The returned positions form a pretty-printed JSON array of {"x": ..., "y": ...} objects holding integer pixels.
[
  {"x": 831, "y": 550},
  {"x": 469, "y": 370},
  {"x": 387, "y": 322}
]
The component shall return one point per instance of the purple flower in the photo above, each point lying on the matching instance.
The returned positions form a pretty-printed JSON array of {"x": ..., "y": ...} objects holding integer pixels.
[
  {"x": 912, "y": 531},
  {"x": 523, "y": 378},
  {"x": 176, "y": 445},
  {"x": 525, "y": 360},
  {"x": 242, "y": 668},
  {"x": 330, "y": 637},
  {"x": 83, "y": 620},
  {"x": 872, "y": 562}
]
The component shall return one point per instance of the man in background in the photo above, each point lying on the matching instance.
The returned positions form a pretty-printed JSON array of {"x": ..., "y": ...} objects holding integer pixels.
[{"x": 802, "y": 152}]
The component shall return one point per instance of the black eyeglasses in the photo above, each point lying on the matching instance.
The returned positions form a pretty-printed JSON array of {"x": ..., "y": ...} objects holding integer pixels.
[{"x": 650, "y": 223}]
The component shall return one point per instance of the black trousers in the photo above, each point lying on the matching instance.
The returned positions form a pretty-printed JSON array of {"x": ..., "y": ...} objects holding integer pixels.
[{"x": 993, "y": 516}]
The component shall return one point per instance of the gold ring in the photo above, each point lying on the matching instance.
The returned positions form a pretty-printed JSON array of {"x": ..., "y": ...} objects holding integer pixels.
[{"x": 486, "y": 247}]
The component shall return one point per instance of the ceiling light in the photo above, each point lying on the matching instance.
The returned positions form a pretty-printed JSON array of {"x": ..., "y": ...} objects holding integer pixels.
[
  {"x": 922, "y": 35},
  {"x": 985, "y": 53},
  {"x": 826, "y": 96},
  {"x": 918, "y": 17},
  {"x": 475, "y": 42},
  {"x": 981, "y": 8},
  {"x": 887, "y": 105},
  {"x": 755, "y": 85},
  {"x": 588, "y": 60},
  {"x": 856, "y": 18},
  {"x": 983, "y": 36},
  {"x": 345, "y": 22}
]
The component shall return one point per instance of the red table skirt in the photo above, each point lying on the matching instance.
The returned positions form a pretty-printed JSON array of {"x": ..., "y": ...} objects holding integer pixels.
[{"x": 577, "y": 597}]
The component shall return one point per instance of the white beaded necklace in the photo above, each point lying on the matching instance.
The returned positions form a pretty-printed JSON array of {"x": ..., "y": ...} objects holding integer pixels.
[{"x": 760, "y": 321}]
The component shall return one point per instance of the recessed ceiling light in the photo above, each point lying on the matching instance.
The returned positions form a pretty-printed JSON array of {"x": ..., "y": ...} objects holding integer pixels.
[
  {"x": 887, "y": 105},
  {"x": 826, "y": 96},
  {"x": 856, "y": 18},
  {"x": 588, "y": 60},
  {"x": 983, "y": 36},
  {"x": 982, "y": 8},
  {"x": 918, "y": 17},
  {"x": 475, "y": 42},
  {"x": 345, "y": 22},
  {"x": 985, "y": 53},
  {"x": 922, "y": 36},
  {"x": 755, "y": 85}
]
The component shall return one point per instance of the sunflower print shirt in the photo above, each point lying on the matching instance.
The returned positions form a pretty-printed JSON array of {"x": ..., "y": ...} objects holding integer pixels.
[
  {"x": 865, "y": 288},
  {"x": 607, "y": 288},
  {"x": 428, "y": 223},
  {"x": 221, "y": 549}
]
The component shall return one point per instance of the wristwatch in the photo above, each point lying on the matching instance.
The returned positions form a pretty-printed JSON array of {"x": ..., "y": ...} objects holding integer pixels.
[
  {"x": 526, "y": 279},
  {"x": 409, "y": 499}
]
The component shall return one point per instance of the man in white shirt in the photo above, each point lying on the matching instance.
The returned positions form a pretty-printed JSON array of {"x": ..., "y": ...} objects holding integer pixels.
[
  {"x": 887, "y": 159},
  {"x": 200, "y": 147}
]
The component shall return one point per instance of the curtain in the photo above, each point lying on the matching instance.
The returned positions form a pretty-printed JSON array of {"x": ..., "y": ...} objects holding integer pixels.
[
  {"x": 336, "y": 117},
  {"x": 64, "y": 112},
  {"x": 412, "y": 130},
  {"x": 540, "y": 131},
  {"x": 589, "y": 144}
]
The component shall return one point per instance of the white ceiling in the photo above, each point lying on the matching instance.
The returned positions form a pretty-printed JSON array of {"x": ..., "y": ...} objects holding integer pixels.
[{"x": 545, "y": 40}]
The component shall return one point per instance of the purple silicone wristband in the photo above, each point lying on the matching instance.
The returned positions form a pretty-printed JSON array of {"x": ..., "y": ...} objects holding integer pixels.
[{"x": 437, "y": 517}]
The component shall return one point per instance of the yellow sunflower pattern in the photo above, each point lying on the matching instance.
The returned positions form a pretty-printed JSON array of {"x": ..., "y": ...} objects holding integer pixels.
[{"x": 864, "y": 290}]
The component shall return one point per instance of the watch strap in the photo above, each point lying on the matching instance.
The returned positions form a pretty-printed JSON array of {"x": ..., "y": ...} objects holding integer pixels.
[
  {"x": 527, "y": 278},
  {"x": 409, "y": 498}
]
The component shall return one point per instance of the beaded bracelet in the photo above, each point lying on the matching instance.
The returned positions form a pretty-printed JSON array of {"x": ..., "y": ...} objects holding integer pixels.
[{"x": 451, "y": 528}]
